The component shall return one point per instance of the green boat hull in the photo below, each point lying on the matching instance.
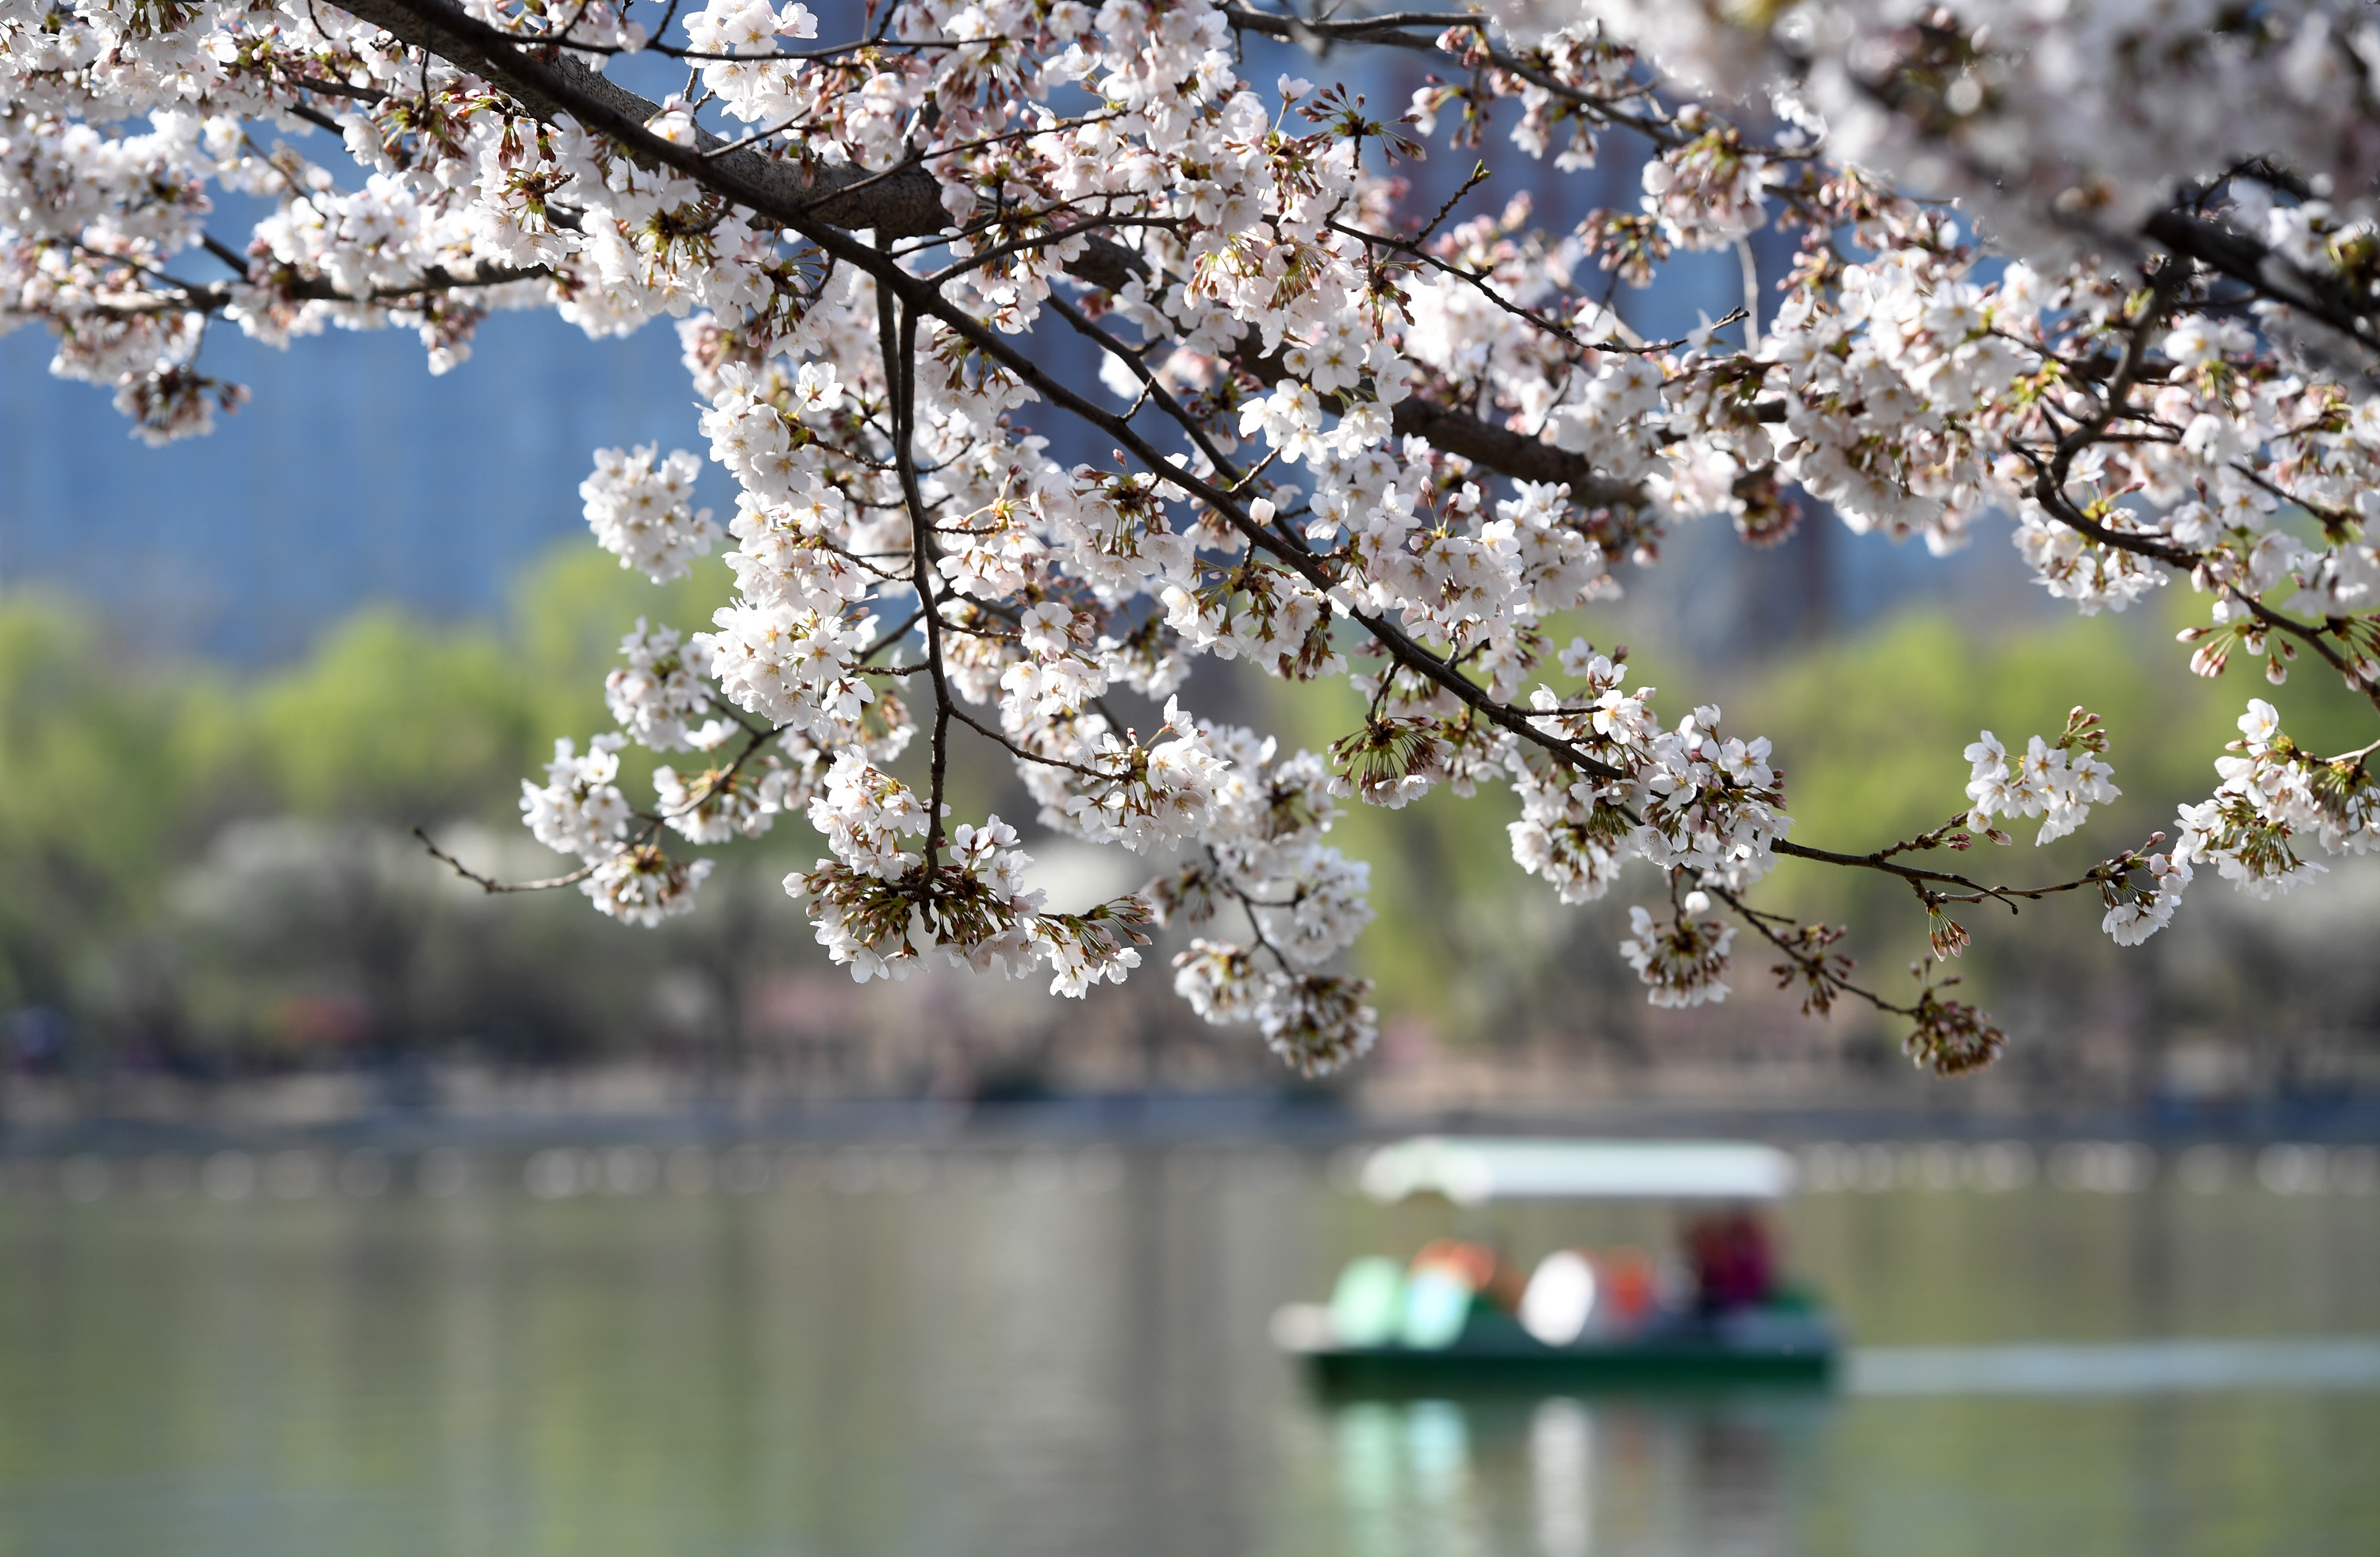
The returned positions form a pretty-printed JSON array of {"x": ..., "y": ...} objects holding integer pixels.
[{"x": 1500, "y": 1357}]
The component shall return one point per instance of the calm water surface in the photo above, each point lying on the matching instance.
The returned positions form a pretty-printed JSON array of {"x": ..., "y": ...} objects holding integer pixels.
[{"x": 1067, "y": 1352}]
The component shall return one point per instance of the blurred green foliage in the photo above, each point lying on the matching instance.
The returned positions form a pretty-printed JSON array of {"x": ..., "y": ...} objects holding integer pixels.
[
  {"x": 403, "y": 721},
  {"x": 100, "y": 775},
  {"x": 391, "y": 715},
  {"x": 116, "y": 774},
  {"x": 1870, "y": 731}
]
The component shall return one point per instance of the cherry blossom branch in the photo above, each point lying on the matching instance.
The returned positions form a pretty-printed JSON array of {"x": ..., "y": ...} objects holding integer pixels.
[
  {"x": 901, "y": 203},
  {"x": 1813, "y": 964},
  {"x": 905, "y": 202},
  {"x": 1388, "y": 32},
  {"x": 2311, "y": 636},
  {"x": 491, "y": 886},
  {"x": 566, "y": 94},
  {"x": 1022, "y": 754},
  {"x": 1480, "y": 283},
  {"x": 1975, "y": 892}
]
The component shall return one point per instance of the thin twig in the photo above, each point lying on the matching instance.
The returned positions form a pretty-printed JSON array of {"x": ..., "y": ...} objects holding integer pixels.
[{"x": 488, "y": 884}]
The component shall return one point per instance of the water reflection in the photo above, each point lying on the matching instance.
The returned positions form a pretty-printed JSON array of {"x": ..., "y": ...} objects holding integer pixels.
[
  {"x": 1562, "y": 1476},
  {"x": 2135, "y": 1367},
  {"x": 1568, "y": 1477},
  {"x": 911, "y": 1352}
]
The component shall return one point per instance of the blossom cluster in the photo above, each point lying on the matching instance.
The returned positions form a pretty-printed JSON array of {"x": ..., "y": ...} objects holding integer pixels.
[
  {"x": 1681, "y": 960},
  {"x": 2274, "y": 797},
  {"x": 657, "y": 695},
  {"x": 2142, "y": 901},
  {"x": 976, "y": 910},
  {"x": 2054, "y": 121},
  {"x": 580, "y": 810},
  {"x": 1304, "y": 903},
  {"x": 1692, "y": 800},
  {"x": 642, "y": 511},
  {"x": 2059, "y": 781}
]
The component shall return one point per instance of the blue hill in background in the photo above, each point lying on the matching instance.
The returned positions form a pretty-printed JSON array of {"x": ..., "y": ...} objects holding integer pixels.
[{"x": 352, "y": 475}]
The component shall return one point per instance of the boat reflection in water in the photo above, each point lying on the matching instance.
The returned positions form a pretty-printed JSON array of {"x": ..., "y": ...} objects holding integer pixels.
[{"x": 1563, "y": 1477}]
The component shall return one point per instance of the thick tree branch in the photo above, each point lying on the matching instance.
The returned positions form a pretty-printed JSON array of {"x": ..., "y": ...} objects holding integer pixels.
[
  {"x": 2244, "y": 260},
  {"x": 898, "y": 202},
  {"x": 897, "y": 330},
  {"x": 901, "y": 202}
]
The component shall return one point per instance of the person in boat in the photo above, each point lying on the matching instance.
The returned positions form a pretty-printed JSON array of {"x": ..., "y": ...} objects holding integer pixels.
[{"x": 1732, "y": 1262}]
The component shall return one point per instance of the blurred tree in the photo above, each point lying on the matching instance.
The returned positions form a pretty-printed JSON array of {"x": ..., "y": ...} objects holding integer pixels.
[
  {"x": 396, "y": 719},
  {"x": 100, "y": 762}
]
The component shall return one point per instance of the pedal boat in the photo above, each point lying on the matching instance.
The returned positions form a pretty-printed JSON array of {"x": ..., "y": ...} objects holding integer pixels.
[{"x": 1787, "y": 1341}]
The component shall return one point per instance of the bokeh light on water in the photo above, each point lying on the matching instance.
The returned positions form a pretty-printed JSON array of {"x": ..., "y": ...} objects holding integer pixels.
[{"x": 639, "y": 1348}]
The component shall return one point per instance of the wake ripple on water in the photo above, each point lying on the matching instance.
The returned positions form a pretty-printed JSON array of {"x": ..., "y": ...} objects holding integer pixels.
[{"x": 2326, "y": 1362}]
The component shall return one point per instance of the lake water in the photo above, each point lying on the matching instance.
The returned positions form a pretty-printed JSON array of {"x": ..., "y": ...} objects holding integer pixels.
[{"x": 1063, "y": 1351}]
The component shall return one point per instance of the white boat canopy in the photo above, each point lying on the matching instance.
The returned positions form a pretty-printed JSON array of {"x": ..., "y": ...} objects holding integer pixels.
[{"x": 1469, "y": 1171}]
